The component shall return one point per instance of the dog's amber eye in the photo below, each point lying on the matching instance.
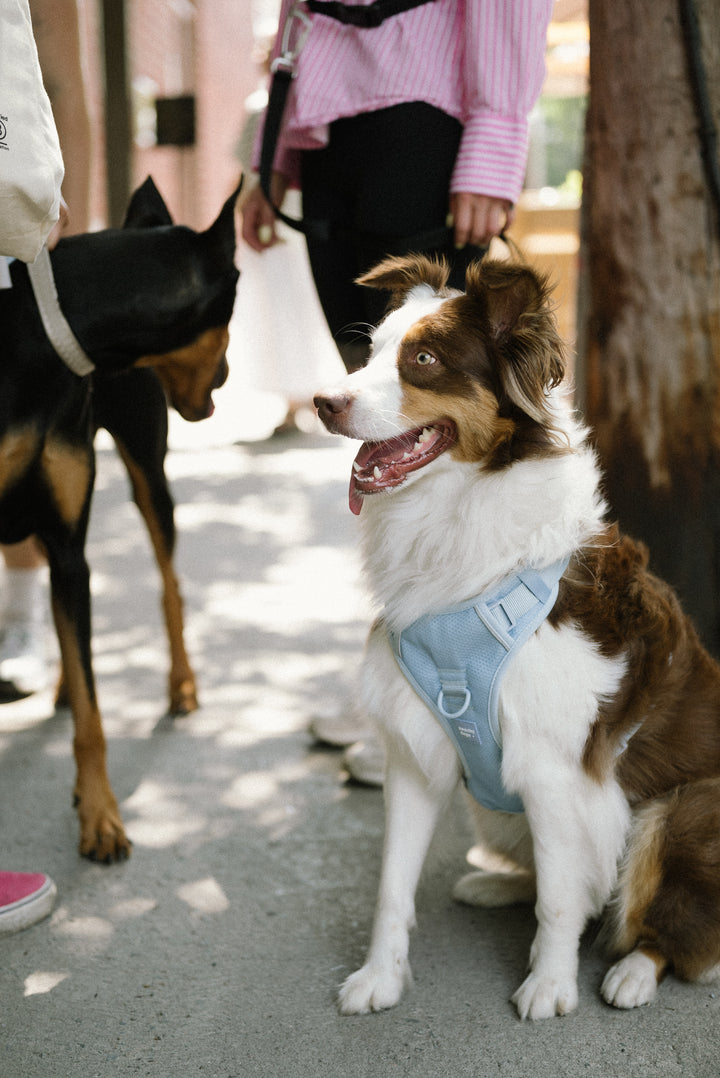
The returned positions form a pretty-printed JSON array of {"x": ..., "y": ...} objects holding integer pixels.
[{"x": 425, "y": 359}]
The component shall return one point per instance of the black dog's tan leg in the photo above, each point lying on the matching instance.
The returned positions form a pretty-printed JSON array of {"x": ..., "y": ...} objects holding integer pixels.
[
  {"x": 182, "y": 689},
  {"x": 133, "y": 408},
  {"x": 69, "y": 472},
  {"x": 102, "y": 835}
]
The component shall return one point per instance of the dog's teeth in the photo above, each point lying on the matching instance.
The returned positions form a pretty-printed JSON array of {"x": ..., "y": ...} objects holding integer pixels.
[
  {"x": 427, "y": 433},
  {"x": 376, "y": 472},
  {"x": 356, "y": 467},
  {"x": 407, "y": 456},
  {"x": 418, "y": 446}
]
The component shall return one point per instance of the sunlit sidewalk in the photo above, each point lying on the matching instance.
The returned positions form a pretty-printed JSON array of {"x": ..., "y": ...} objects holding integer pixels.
[{"x": 217, "y": 949}]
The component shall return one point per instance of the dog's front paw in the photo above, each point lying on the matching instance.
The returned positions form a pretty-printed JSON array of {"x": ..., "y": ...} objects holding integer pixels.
[
  {"x": 543, "y": 997},
  {"x": 102, "y": 835},
  {"x": 183, "y": 696},
  {"x": 105, "y": 842},
  {"x": 632, "y": 982},
  {"x": 374, "y": 988}
]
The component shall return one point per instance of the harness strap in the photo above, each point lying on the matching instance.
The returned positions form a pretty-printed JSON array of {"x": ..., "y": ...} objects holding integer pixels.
[
  {"x": 56, "y": 326},
  {"x": 455, "y": 661}
]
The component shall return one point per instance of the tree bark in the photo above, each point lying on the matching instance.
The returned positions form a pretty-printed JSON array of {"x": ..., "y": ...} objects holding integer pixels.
[{"x": 649, "y": 318}]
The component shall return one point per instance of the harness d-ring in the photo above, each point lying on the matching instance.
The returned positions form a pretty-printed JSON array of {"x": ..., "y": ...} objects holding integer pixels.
[{"x": 453, "y": 714}]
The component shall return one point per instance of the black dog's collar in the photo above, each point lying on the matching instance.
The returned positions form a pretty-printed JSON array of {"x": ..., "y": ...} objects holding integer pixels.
[{"x": 56, "y": 325}]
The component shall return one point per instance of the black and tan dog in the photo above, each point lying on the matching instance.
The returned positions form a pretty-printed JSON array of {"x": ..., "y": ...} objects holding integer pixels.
[{"x": 149, "y": 305}]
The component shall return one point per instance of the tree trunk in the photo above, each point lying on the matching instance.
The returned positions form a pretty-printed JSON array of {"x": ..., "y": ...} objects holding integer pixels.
[{"x": 649, "y": 320}]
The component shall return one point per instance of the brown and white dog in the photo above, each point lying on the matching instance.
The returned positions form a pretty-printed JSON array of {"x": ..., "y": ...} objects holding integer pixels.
[{"x": 472, "y": 469}]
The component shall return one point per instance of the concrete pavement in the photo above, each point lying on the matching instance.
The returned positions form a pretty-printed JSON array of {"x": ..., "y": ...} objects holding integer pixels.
[{"x": 216, "y": 950}]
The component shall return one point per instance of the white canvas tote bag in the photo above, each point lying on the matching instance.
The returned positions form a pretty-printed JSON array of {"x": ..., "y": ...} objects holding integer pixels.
[{"x": 31, "y": 166}]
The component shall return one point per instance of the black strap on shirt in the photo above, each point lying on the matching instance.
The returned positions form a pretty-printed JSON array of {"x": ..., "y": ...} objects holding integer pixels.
[{"x": 365, "y": 16}]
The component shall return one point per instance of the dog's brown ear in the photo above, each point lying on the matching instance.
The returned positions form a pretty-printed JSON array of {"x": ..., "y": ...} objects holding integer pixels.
[
  {"x": 521, "y": 317},
  {"x": 515, "y": 300},
  {"x": 511, "y": 291},
  {"x": 399, "y": 275}
]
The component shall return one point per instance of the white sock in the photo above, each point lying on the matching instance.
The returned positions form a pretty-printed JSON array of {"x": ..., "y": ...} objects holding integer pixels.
[{"x": 26, "y": 595}]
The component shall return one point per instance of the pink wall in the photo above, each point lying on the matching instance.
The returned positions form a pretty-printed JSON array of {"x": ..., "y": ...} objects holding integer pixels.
[{"x": 178, "y": 47}]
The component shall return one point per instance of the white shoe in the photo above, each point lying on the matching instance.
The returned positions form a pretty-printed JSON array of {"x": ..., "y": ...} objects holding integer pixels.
[
  {"x": 365, "y": 762},
  {"x": 23, "y": 659},
  {"x": 339, "y": 730}
]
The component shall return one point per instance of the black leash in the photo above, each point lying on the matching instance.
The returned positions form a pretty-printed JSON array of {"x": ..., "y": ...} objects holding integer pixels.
[{"x": 284, "y": 69}]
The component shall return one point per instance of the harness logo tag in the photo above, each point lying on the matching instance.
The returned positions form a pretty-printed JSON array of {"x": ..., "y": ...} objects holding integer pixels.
[{"x": 468, "y": 731}]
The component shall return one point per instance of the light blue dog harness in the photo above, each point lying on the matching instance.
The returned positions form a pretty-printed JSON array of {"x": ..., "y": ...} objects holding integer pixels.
[{"x": 455, "y": 661}]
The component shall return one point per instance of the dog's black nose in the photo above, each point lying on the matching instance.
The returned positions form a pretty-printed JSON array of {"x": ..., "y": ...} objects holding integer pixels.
[
  {"x": 328, "y": 407},
  {"x": 221, "y": 374}
]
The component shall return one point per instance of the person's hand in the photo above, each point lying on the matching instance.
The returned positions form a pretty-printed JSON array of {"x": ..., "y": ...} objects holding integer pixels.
[
  {"x": 258, "y": 216},
  {"x": 477, "y": 218},
  {"x": 59, "y": 227}
]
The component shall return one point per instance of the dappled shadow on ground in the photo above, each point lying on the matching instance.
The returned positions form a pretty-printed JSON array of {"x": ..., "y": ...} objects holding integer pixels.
[
  {"x": 230, "y": 809},
  {"x": 268, "y": 567},
  {"x": 216, "y": 949}
]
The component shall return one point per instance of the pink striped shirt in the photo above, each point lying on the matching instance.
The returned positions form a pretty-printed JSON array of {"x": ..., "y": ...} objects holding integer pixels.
[{"x": 481, "y": 61}]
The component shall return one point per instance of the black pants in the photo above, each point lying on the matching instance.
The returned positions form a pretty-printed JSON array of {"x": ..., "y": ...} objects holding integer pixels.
[{"x": 381, "y": 185}]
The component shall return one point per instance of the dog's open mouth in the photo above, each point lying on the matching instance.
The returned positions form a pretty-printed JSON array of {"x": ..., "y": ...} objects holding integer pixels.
[{"x": 384, "y": 465}]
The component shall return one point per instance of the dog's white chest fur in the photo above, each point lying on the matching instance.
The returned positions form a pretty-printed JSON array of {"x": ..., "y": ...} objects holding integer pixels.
[{"x": 464, "y": 530}]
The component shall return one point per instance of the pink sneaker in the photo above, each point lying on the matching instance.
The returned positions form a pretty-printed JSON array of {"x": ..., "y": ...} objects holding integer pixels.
[{"x": 25, "y": 897}]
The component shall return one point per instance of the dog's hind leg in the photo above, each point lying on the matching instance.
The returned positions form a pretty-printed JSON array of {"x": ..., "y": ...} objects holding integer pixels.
[
  {"x": 152, "y": 498},
  {"x": 132, "y": 407},
  {"x": 412, "y": 808},
  {"x": 667, "y": 911}
]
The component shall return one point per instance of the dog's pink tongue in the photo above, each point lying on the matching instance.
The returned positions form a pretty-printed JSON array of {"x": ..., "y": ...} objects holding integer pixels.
[
  {"x": 356, "y": 497},
  {"x": 381, "y": 466},
  {"x": 376, "y": 467}
]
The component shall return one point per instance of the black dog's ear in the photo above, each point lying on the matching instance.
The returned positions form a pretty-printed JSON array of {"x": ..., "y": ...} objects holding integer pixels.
[
  {"x": 220, "y": 237},
  {"x": 399, "y": 275},
  {"x": 147, "y": 208}
]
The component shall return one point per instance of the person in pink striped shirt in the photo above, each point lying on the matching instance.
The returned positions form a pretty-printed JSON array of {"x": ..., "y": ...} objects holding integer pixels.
[
  {"x": 390, "y": 133},
  {"x": 393, "y": 130}
]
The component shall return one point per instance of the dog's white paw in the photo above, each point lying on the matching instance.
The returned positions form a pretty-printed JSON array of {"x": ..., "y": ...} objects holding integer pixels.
[
  {"x": 632, "y": 982},
  {"x": 544, "y": 997},
  {"x": 374, "y": 988},
  {"x": 491, "y": 889},
  {"x": 710, "y": 976}
]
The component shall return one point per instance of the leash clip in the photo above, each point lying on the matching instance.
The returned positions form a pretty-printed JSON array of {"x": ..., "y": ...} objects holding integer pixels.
[
  {"x": 453, "y": 683},
  {"x": 295, "y": 32},
  {"x": 453, "y": 714}
]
